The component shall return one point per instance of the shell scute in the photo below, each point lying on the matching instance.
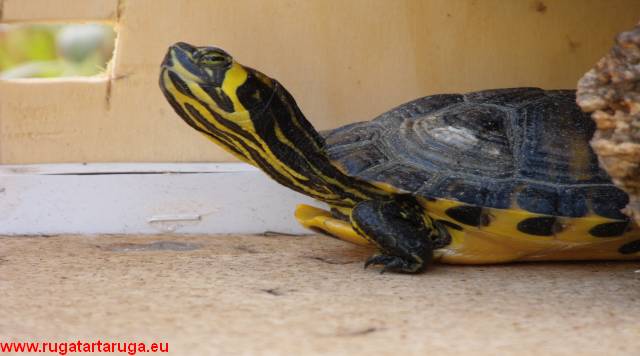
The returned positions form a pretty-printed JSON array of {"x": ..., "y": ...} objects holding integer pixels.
[
  {"x": 456, "y": 188},
  {"x": 538, "y": 198},
  {"x": 607, "y": 201},
  {"x": 417, "y": 108},
  {"x": 360, "y": 160},
  {"x": 500, "y": 194},
  {"x": 552, "y": 142},
  {"x": 405, "y": 176},
  {"x": 573, "y": 202}
]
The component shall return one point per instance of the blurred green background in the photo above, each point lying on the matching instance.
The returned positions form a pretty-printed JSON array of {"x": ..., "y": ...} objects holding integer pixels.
[{"x": 48, "y": 51}]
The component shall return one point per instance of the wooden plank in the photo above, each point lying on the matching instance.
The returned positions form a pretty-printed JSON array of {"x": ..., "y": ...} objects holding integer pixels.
[
  {"x": 58, "y": 10},
  {"x": 185, "y": 198},
  {"x": 343, "y": 61},
  {"x": 61, "y": 120}
]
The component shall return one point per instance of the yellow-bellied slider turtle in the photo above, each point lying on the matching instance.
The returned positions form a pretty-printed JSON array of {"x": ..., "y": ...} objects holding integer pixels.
[{"x": 484, "y": 177}]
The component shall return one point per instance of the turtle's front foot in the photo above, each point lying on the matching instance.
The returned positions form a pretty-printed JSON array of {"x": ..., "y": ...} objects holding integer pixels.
[
  {"x": 395, "y": 264},
  {"x": 405, "y": 235}
]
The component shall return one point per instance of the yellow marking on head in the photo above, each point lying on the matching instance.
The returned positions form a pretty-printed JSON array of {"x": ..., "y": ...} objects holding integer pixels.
[
  {"x": 184, "y": 99},
  {"x": 233, "y": 79},
  {"x": 179, "y": 69}
]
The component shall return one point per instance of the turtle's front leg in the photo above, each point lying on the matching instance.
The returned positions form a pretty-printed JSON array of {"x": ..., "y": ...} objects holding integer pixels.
[{"x": 405, "y": 235}]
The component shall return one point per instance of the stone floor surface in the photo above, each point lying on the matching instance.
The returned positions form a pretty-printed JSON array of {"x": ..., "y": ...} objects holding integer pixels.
[{"x": 306, "y": 295}]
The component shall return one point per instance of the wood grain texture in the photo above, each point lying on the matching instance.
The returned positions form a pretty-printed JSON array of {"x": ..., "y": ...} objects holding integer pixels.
[{"x": 343, "y": 61}]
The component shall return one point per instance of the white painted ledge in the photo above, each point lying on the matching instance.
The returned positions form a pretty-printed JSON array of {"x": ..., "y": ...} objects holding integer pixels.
[{"x": 144, "y": 198}]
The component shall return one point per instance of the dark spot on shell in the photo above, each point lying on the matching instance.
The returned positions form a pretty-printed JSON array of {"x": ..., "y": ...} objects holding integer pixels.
[
  {"x": 450, "y": 224},
  {"x": 630, "y": 247},
  {"x": 609, "y": 229},
  {"x": 539, "y": 226},
  {"x": 468, "y": 215}
]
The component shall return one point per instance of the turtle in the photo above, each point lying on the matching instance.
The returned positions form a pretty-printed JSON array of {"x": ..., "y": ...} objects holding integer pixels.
[{"x": 490, "y": 176}]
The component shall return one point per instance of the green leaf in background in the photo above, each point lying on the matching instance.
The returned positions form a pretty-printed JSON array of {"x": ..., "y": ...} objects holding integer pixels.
[{"x": 37, "y": 51}]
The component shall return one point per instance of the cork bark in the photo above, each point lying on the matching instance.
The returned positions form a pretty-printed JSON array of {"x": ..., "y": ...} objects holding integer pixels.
[{"x": 611, "y": 91}]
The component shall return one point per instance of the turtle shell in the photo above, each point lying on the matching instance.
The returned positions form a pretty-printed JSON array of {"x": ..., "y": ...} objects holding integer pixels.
[{"x": 520, "y": 148}]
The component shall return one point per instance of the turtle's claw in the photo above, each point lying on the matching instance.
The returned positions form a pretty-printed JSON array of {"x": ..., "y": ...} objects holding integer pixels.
[
  {"x": 393, "y": 264},
  {"x": 375, "y": 260}
]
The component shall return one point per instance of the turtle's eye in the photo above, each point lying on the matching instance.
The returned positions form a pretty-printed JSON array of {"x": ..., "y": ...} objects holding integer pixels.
[{"x": 213, "y": 59}]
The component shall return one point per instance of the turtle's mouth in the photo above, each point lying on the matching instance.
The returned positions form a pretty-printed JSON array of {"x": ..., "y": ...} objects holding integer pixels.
[{"x": 167, "y": 61}]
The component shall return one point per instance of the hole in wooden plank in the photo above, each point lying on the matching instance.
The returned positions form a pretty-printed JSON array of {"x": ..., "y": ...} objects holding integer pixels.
[{"x": 56, "y": 50}]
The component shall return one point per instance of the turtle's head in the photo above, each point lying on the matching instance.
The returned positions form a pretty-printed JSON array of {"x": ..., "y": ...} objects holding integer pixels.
[{"x": 209, "y": 78}]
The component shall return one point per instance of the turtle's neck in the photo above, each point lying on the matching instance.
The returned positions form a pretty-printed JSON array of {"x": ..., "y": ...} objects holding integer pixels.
[
  {"x": 256, "y": 119},
  {"x": 293, "y": 154}
]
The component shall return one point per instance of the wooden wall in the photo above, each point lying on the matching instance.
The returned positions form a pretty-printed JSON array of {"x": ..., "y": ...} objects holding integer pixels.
[{"x": 344, "y": 61}]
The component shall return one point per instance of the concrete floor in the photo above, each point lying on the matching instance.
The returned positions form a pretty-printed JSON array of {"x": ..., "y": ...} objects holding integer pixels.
[{"x": 306, "y": 295}]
